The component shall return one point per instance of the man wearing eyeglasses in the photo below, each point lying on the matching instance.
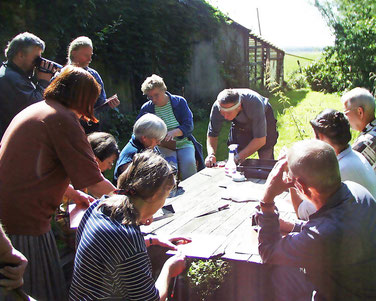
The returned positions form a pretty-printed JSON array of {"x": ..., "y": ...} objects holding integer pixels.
[
  {"x": 21, "y": 83},
  {"x": 359, "y": 108},
  {"x": 336, "y": 247},
  {"x": 253, "y": 125}
]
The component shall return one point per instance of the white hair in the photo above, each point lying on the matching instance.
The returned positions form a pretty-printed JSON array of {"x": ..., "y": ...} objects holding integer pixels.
[
  {"x": 150, "y": 126},
  {"x": 360, "y": 97}
]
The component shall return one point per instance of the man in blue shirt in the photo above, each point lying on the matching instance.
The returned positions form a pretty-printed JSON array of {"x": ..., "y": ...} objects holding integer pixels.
[
  {"x": 336, "y": 247},
  {"x": 80, "y": 52}
]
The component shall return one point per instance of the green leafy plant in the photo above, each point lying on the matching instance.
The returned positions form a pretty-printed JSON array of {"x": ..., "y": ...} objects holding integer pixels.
[
  {"x": 206, "y": 276},
  {"x": 351, "y": 60}
]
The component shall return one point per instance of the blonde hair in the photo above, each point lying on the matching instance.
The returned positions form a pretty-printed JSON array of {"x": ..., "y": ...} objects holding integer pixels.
[{"x": 153, "y": 82}]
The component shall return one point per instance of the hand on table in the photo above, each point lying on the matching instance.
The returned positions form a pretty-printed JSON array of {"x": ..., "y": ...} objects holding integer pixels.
[
  {"x": 171, "y": 242},
  {"x": 13, "y": 274},
  {"x": 210, "y": 160}
]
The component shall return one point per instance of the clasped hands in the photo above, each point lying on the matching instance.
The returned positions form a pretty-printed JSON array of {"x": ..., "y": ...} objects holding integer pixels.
[{"x": 278, "y": 181}]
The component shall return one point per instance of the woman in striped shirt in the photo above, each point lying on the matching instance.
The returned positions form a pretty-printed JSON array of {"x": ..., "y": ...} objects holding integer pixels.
[
  {"x": 111, "y": 261},
  {"x": 179, "y": 147}
]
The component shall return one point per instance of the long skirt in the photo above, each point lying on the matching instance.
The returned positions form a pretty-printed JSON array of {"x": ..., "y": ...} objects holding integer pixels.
[{"x": 43, "y": 277}]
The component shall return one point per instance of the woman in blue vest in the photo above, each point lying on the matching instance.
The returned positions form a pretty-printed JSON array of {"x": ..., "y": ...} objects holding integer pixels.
[{"x": 179, "y": 147}]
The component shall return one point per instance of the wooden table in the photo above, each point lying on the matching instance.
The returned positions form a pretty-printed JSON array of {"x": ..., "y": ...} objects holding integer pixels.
[{"x": 229, "y": 232}]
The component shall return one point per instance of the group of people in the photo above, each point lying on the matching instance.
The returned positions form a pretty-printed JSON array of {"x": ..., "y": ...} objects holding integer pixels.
[
  {"x": 330, "y": 252},
  {"x": 47, "y": 158}
]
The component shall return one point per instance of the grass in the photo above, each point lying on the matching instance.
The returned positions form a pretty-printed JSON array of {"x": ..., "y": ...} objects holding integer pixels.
[
  {"x": 291, "y": 62},
  {"x": 292, "y": 120}
]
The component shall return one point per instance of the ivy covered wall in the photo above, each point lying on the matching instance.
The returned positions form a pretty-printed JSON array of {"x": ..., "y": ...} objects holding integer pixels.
[{"x": 133, "y": 39}]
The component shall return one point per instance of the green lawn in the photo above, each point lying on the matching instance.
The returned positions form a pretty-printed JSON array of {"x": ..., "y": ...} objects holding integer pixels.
[
  {"x": 291, "y": 62},
  {"x": 305, "y": 105}
]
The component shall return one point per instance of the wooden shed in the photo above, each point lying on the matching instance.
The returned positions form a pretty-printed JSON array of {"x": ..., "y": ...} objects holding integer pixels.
[{"x": 265, "y": 60}]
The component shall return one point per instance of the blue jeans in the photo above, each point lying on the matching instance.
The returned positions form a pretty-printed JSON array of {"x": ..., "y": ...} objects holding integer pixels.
[{"x": 183, "y": 159}]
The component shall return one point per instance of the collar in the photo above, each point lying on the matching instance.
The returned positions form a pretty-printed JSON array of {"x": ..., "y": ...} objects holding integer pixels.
[
  {"x": 344, "y": 153},
  {"x": 13, "y": 66},
  {"x": 137, "y": 143},
  {"x": 369, "y": 126},
  {"x": 341, "y": 195}
]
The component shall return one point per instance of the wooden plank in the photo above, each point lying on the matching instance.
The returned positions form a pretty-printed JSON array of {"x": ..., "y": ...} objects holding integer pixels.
[{"x": 231, "y": 228}]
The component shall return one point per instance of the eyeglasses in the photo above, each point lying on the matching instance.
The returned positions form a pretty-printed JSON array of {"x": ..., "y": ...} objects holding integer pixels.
[{"x": 155, "y": 95}]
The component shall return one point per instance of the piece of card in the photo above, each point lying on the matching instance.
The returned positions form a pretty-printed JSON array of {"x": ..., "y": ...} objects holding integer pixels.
[
  {"x": 202, "y": 246},
  {"x": 75, "y": 215}
]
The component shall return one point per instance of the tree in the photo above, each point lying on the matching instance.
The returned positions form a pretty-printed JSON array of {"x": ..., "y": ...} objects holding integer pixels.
[{"x": 351, "y": 61}]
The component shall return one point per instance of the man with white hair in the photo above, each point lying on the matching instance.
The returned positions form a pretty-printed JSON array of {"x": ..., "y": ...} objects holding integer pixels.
[
  {"x": 336, "y": 247},
  {"x": 20, "y": 86},
  {"x": 253, "y": 125},
  {"x": 359, "y": 108}
]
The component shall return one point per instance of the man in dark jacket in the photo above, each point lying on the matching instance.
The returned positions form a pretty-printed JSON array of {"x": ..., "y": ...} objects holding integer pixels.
[{"x": 21, "y": 84}]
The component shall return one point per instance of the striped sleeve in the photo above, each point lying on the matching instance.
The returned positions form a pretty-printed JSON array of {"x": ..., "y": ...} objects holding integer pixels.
[{"x": 134, "y": 277}]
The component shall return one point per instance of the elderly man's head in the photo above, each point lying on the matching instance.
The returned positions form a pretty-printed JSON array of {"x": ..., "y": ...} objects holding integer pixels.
[
  {"x": 23, "y": 49},
  {"x": 229, "y": 103},
  {"x": 359, "y": 107},
  {"x": 150, "y": 130},
  {"x": 313, "y": 164},
  {"x": 80, "y": 51}
]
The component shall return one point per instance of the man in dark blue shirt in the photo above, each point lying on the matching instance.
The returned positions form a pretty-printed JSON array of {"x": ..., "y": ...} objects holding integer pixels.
[
  {"x": 80, "y": 52},
  {"x": 337, "y": 246}
]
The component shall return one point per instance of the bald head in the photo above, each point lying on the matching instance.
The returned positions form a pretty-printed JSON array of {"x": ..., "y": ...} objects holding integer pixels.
[{"x": 315, "y": 164}]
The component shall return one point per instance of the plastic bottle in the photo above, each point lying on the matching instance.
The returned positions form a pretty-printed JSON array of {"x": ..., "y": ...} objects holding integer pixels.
[{"x": 230, "y": 167}]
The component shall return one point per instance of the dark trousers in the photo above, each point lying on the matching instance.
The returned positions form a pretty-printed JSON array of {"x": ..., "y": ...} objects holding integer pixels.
[{"x": 241, "y": 134}]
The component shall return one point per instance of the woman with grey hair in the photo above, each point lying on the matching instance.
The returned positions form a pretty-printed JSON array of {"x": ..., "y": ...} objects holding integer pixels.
[
  {"x": 179, "y": 147},
  {"x": 148, "y": 132},
  {"x": 80, "y": 51}
]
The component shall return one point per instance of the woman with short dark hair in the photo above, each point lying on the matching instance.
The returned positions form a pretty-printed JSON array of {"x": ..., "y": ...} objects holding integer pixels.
[
  {"x": 105, "y": 149},
  {"x": 42, "y": 151}
]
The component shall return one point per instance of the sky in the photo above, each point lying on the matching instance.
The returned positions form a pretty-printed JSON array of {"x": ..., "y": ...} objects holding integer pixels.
[{"x": 284, "y": 23}]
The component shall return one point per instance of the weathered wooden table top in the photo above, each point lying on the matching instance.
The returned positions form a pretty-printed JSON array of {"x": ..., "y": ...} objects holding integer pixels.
[{"x": 228, "y": 232}]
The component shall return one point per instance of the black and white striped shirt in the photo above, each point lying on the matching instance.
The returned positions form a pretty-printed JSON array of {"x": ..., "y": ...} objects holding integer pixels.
[{"x": 111, "y": 261}]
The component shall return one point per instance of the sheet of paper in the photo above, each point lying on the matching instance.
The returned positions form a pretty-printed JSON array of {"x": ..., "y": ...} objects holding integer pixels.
[
  {"x": 202, "y": 246},
  {"x": 244, "y": 193},
  {"x": 75, "y": 215}
]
